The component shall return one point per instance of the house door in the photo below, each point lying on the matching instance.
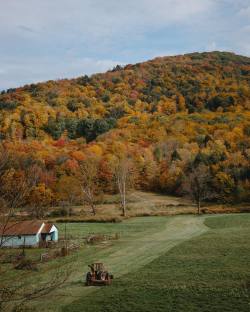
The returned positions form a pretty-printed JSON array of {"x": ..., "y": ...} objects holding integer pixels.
[{"x": 43, "y": 237}]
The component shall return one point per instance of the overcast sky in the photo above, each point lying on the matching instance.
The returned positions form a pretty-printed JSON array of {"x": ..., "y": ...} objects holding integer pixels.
[{"x": 51, "y": 39}]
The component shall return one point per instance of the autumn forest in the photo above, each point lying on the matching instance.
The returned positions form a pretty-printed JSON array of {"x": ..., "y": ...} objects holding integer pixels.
[{"x": 165, "y": 124}]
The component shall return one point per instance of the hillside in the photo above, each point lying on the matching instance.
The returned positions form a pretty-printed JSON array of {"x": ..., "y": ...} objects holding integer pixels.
[
  {"x": 194, "y": 83},
  {"x": 166, "y": 114}
]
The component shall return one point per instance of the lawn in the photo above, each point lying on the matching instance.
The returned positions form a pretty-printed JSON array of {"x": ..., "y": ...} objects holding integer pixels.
[
  {"x": 206, "y": 273},
  {"x": 178, "y": 263}
]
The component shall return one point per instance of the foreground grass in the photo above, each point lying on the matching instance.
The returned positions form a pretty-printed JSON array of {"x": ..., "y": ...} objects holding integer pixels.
[
  {"x": 208, "y": 273},
  {"x": 141, "y": 241}
]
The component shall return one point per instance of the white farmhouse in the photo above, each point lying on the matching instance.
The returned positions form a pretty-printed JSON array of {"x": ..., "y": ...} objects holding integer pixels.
[{"x": 27, "y": 233}]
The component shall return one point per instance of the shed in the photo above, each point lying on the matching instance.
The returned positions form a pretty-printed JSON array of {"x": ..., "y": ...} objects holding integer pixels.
[{"x": 27, "y": 233}]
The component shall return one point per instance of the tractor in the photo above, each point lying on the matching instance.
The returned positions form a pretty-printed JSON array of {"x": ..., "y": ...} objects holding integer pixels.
[{"x": 98, "y": 276}]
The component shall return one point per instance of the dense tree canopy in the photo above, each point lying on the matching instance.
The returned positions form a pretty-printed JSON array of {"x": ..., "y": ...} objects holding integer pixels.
[{"x": 169, "y": 115}]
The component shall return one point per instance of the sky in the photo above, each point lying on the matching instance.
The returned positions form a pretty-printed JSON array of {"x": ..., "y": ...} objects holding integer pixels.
[{"x": 54, "y": 39}]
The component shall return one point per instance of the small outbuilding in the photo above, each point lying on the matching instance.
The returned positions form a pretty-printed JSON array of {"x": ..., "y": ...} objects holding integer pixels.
[{"x": 27, "y": 233}]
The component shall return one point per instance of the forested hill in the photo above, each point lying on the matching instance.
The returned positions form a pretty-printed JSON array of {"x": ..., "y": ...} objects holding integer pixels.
[
  {"x": 165, "y": 113},
  {"x": 197, "y": 82}
]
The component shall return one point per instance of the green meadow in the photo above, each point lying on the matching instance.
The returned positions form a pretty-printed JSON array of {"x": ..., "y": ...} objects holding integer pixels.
[
  {"x": 210, "y": 272},
  {"x": 179, "y": 263}
]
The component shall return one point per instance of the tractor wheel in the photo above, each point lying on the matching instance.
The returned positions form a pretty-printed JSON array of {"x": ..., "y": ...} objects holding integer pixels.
[{"x": 88, "y": 279}]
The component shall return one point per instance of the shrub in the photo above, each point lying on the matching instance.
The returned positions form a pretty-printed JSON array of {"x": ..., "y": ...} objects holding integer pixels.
[{"x": 61, "y": 212}]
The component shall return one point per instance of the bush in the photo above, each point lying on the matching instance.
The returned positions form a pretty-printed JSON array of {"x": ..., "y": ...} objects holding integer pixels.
[
  {"x": 90, "y": 220},
  {"x": 61, "y": 212}
]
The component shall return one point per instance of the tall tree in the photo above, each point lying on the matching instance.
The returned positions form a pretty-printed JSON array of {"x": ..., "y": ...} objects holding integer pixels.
[
  {"x": 13, "y": 191},
  {"x": 68, "y": 190},
  {"x": 39, "y": 200},
  {"x": 87, "y": 175},
  {"x": 123, "y": 179},
  {"x": 196, "y": 184}
]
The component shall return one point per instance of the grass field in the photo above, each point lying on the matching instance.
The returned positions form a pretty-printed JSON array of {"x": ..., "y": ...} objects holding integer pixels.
[
  {"x": 179, "y": 263},
  {"x": 144, "y": 204},
  {"x": 138, "y": 204},
  {"x": 207, "y": 273}
]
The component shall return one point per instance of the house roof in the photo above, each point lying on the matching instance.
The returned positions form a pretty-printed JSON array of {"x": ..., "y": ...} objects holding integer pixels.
[
  {"x": 21, "y": 228},
  {"x": 47, "y": 227}
]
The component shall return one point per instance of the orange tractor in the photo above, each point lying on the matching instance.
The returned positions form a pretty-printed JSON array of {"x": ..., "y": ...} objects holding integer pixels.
[{"x": 98, "y": 276}]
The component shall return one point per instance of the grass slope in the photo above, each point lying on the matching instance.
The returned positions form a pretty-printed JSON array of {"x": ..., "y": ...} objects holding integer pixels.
[{"x": 207, "y": 273}]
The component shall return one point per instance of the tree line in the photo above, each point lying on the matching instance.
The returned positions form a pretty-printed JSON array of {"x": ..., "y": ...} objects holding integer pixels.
[{"x": 27, "y": 185}]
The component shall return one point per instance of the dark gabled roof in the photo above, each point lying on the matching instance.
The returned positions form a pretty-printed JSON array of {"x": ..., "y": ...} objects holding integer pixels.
[{"x": 21, "y": 228}]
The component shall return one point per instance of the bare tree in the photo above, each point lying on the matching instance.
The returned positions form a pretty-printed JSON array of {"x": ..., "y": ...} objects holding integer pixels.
[
  {"x": 122, "y": 175},
  {"x": 10, "y": 201},
  {"x": 87, "y": 175},
  {"x": 14, "y": 189},
  {"x": 11, "y": 192},
  {"x": 196, "y": 184}
]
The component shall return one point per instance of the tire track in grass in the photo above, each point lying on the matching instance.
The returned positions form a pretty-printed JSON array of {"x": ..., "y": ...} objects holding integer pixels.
[{"x": 144, "y": 250}]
